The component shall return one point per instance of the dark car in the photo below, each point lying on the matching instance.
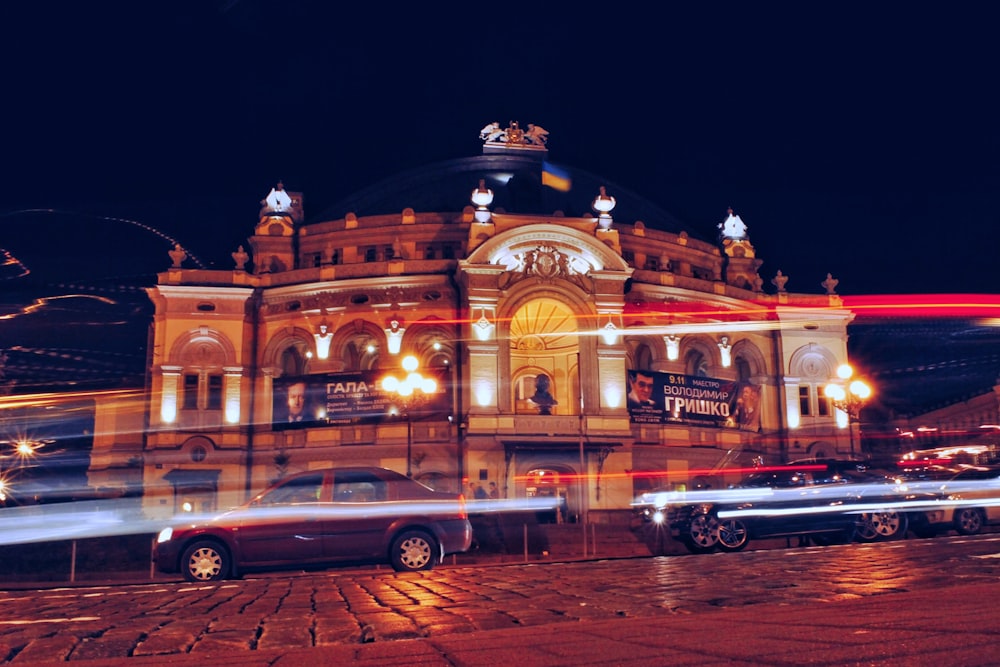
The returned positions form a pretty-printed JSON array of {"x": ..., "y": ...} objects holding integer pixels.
[
  {"x": 828, "y": 501},
  {"x": 322, "y": 517}
]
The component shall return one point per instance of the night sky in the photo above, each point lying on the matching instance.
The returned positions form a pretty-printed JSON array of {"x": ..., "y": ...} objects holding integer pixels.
[{"x": 858, "y": 139}]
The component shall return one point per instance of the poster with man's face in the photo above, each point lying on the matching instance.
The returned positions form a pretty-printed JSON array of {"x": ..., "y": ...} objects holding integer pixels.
[
  {"x": 645, "y": 403},
  {"x": 665, "y": 398},
  {"x": 298, "y": 403},
  {"x": 346, "y": 398}
]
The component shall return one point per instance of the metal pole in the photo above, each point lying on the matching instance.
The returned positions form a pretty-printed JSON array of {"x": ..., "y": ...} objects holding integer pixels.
[
  {"x": 409, "y": 445},
  {"x": 582, "y": 486},
  {"x": 850, "y": 424}
]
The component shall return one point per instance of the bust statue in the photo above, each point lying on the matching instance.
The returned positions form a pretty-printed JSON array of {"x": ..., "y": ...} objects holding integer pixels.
[{"x": 542, "y": 398}]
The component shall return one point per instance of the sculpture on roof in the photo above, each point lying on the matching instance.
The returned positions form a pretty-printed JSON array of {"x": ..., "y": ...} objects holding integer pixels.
[
  {"x": 515, "y": 135},
  {"x": 779, "y": 281},
  {"x": 830, "y": 284},
  {"x": 535, "y": 136},
  {"x": 493, "y": 133}
]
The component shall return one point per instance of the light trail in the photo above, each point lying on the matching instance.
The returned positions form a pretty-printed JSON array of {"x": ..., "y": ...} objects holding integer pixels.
[
  {"x": 75, "y": 619},
  {"x": 104, "y": 518},
  {"x": 149, "y": 228}
]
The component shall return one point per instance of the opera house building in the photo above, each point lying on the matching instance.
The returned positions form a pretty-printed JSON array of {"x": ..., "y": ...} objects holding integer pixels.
[{"x": 501, "y": 318}]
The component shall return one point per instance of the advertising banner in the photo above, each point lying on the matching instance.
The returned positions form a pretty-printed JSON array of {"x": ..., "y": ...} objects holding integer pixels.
[
  {"x": 336, "y": 399},
  {"x": 672, "y": 398}
]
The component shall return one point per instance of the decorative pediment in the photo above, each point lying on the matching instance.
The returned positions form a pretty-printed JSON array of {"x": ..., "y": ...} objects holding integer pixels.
[{"x": 584, "y": 253}]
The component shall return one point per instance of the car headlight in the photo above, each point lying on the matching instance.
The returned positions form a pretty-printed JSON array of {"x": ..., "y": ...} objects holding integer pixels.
[
  {"x": 165, "y": 535},
  {"x": 659, "y": 517}
]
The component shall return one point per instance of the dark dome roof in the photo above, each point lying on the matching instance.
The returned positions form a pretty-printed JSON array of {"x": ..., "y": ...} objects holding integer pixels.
[{"x": 516, "y": 181}]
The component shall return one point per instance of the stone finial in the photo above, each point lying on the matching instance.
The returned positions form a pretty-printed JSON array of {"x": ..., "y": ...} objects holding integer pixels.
[
  {"x": 830, "y": 284},
  {"x": 241, "y": 258},
  {"x": 177, "y": 255},
  {"x": 779, "y": 281}
]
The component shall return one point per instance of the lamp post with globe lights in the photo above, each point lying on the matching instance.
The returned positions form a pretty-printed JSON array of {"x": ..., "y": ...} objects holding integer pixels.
[
  {"x": 411, "y": 390},
  {"x": 848, "y": 396}
]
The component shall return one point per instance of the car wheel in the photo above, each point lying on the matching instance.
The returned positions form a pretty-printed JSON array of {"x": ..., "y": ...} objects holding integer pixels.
[
  {"x": 968, "y": 521},
  {"x": 883, "y": 525},
  {"x": 702, "y": 533},
  {"x": 412, "y": 551},
  {"x": 733, "y": 535},
  {"x": 205, "y": 561}
]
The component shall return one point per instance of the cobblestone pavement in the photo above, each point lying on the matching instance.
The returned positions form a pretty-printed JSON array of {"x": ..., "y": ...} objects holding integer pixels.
[{"x": 295, "y": 611}]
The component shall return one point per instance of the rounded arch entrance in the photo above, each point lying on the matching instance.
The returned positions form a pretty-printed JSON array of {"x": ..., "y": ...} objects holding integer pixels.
[
  {"x": 544, "y": 352},
  {"x": 555, "y": 490}
]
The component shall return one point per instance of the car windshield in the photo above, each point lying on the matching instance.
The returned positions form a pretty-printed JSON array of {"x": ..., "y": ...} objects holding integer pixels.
[{"x": 305, "y": 489}]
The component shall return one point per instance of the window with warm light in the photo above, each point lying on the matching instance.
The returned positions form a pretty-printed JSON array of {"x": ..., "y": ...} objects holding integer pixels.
[
  {"x": 190, "y": 399},
  {"x": 214, "y": 401},
  {"x": 201, "y": 391},
  {"x": 805, "y": 400}
]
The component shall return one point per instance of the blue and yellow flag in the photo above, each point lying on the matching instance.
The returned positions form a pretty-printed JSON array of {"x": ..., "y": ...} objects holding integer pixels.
[{"x": 556, "y": 178}]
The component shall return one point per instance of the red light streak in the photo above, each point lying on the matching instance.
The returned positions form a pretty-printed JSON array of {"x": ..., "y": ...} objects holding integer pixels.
[{"x": 654, "y": 474}]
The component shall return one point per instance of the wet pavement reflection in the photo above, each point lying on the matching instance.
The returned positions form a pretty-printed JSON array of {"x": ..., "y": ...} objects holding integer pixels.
[{"x": 342, "y": 607}]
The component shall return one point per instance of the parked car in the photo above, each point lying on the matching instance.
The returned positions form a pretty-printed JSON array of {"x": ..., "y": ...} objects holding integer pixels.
[
  {"x": 322, "y": 517},
  {"x": 899, "y": 506},
  {"x": 825, "y": 501},
  {"x": 970, "y": 497}
]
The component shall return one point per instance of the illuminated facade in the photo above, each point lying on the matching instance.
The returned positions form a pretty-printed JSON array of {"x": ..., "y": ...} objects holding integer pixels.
[{"x": 528, "y": 321}]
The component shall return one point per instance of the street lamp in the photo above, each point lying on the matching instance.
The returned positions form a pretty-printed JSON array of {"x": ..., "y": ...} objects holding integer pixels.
[
  {"x": 410, "y": 391},
  {"x": 21, "y": 457},
  {"x": 848, "y": 400}
]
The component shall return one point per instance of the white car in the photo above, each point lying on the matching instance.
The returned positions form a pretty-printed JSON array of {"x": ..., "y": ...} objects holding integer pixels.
[{"x": 970, "y": 498}]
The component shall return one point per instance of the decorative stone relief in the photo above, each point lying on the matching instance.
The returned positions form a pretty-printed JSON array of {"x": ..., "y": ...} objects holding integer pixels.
[{"x": 544, "y": 263}]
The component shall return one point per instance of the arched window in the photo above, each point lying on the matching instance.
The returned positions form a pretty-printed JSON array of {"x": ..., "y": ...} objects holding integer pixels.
[
  {"x": 814, "y": 366},
  {"x": 743, "y": 370},
  {"x": 203, "y": 356},
  {"x": 696, "y": 364},
  {"x": 293, "y": 359},
  {"x": 360, "y": 354},
  {"x": 642, "y": 358}
]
